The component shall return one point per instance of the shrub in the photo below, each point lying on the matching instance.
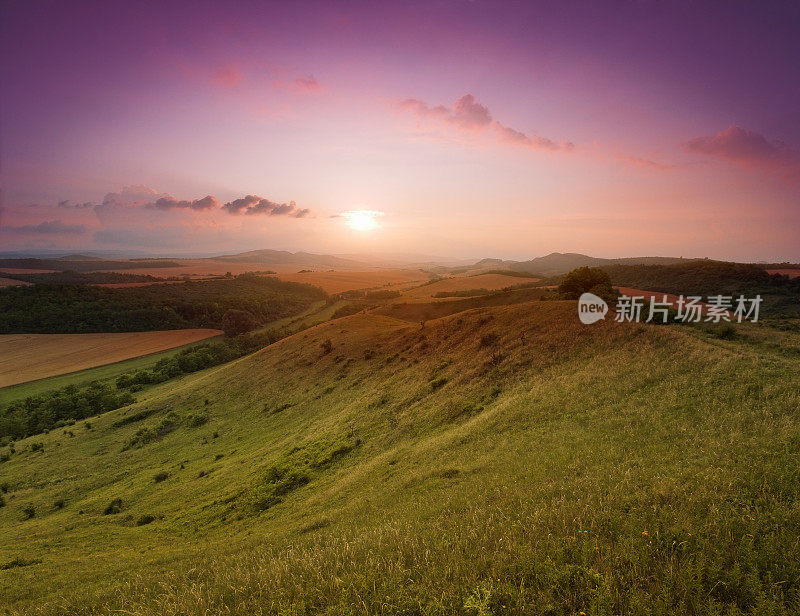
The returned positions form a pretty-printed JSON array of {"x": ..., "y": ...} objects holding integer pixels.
[
  {"x": 279, "y": 483},
  {"x": 437, "y": 383},
  {"x": 327, "y": 346},
  {"x": 587, "y": 280},
  {"x": 145, "y": 519},
  {"x": 59, "y": 504},
  {"x": 160, "y": 476},
  {"x": 37, "y": 446},
  {"x": 148, "y": 434},
  {"x": 115, "y": 506},
  {"x": 489, "y": 339},
  {"x": 195, "y": 420},
  {"x": 133, "y": 418},
  {"x": 19, "y": 562},
  {"x": 28, "y": 511}
]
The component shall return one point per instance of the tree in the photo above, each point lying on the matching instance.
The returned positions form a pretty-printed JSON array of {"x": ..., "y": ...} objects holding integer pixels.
[
  {"x": 587, "y": 280},
  {"x": 236, "y": 322}
]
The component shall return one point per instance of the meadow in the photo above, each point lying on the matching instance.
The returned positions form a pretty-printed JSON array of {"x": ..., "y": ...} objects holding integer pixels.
[{"x": 501, "y": 459}]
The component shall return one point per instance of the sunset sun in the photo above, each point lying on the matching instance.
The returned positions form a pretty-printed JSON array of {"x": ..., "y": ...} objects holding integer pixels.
[{"x": 362, "y": 220}]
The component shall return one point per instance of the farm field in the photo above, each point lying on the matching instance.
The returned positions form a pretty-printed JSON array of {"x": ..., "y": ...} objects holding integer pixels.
[
  {"x": 11, "y": 282},
  {"x": 28, "y": 357},
  {"x": 490, "y": 282},
  {"x": 340, "y": 281},
  {"x": 100, "y": 373}
]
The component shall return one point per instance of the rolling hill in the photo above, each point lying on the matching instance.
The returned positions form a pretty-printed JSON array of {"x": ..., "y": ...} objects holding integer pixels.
[{"x": 504, "y": 459}]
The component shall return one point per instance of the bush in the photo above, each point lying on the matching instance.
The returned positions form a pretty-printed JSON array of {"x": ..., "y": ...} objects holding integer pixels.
[
  {"x": 160, "y": 476},
  {"x": 28, "y": 511},
  {"x": 196, "y": 420},
  {"x": 59, "y": 504},
  {"x": 279, "y": 483},
  {"x": 327, "y": 346},
  {"x": 133, "y": 418},
  {"x": 115, "y": 506},
  {"x": 145, "y": 519},
  {"x": 149, "y": 434},
  {"x": 489, "y": 339},
  {"x": 437, "y": 383},
  {"x": 587, "y": 280}
]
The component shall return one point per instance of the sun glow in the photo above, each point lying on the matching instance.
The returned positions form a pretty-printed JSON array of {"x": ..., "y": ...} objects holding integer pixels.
[{"x": 362, "y": 220}]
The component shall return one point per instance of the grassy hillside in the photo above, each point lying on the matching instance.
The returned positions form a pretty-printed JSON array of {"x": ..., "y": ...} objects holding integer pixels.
[{"x": 501, "y": 460}]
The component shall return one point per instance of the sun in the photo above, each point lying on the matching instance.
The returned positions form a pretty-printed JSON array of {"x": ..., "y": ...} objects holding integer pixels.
[{"x": 362, "y": 220}]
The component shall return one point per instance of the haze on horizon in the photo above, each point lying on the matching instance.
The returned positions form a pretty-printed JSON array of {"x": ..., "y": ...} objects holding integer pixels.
[{"x": 452, "y": 128}]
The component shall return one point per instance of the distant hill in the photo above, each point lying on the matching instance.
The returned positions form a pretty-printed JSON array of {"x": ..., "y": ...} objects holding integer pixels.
[
  {"x": 86, "y": 264},
  {"x": 274, "y": 257},
  {"x": 79, "y": 257},
  {"x": 561, "y": 262}
]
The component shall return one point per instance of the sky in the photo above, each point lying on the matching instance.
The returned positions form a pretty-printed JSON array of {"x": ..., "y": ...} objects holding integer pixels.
[{"x": 450, "y": 128}]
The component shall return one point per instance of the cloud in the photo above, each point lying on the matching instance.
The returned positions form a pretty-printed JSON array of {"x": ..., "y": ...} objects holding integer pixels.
[
  {"x": 467, "y": 114},
  {"x": 136, "y": 194},
  {"x": 139, "y": 195},
  {"x": 50, "y": 227},
  {"x": 646, "y": 163},
  {"x": 75, "y": 206},
  {"x": 170, "y": 203},
  {"x": 306, "y": 84},
  {"x": 744, "y": 147},
  {"x": 253, "y": 205},
  {"x": 226, "y": 76}
]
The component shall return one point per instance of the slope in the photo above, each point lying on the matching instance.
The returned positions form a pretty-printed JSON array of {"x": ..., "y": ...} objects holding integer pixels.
[{"x": 500, "y": 460}]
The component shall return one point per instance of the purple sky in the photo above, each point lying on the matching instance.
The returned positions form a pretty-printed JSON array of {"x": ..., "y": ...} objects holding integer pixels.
[{"x": 482, "y": 128}]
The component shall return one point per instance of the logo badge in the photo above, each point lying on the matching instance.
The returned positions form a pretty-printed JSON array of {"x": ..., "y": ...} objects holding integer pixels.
[{"x": 591, "y": 308}]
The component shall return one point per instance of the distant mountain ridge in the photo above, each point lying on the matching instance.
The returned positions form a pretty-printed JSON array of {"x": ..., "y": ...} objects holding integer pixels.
[
  {"x": 273, "y": 257},
  {"x": 561, "y": 262}
]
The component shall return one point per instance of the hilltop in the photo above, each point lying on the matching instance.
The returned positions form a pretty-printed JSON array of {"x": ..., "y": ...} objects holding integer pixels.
[{"x": 501, "y": 459}]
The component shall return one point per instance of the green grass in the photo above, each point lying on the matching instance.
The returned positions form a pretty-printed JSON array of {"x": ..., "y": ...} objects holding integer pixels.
[
  {"x": 100, "y": 373},
  {"x": 611, "y": 469}
]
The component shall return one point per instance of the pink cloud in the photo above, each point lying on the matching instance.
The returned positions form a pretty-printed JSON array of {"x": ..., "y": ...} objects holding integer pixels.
[
  {"x": 306, "y": 85},
  {"x": 227, "y": 76},
  {"x": 253, "y": 205},
  {"x": 467, "y": 114},
  {"x": 744, "y": 147},
  {"x": 169, "y": 202},
  {"x": 644, "y": 163},
  {"x": 49, "y": 227}
]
